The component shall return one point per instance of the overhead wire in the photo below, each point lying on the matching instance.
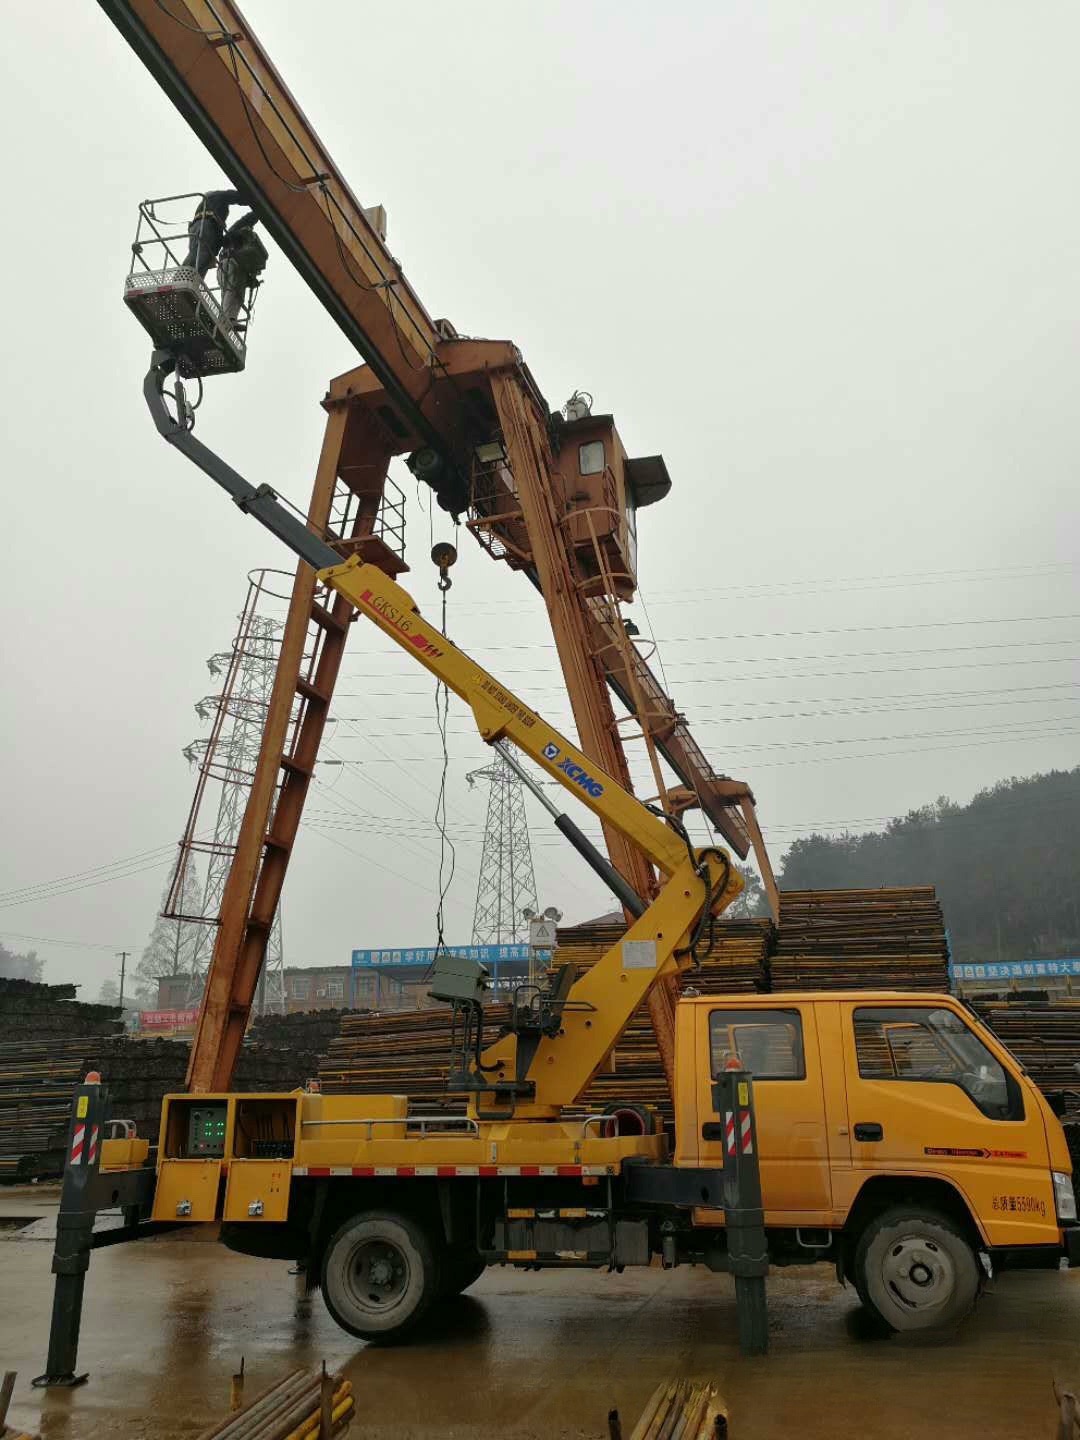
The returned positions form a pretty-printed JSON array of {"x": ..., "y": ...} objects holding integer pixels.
[
  {"x": 984, "y": 696},
  {"x": 844, "y": 585},
  {"x": 916, "y": 750},
  {"x": 790, "y": 744},
  {"x": 58, "y": 893},
  {"x": 1038, "y": 735},
  {"x": 323, "y": 834},
  {"x": 90, "y": 871},
  {"x": 697, "y": 640},
  {"x": 348, "y": 808},
  {"x": 891, "y": 708},
  {"x": 71, "y": 944}
]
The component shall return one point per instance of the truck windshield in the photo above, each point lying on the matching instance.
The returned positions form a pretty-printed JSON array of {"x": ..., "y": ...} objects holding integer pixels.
[{"x": 927, "y": 1043}]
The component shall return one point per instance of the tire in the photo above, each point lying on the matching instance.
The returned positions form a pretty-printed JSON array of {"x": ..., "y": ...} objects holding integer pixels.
[
  {"x": 915, "y": 1270},
  {"x": 458, "y": 1270},
  {"x": 627, "y": 1118},
  {"x": 379, "y": 1275}
]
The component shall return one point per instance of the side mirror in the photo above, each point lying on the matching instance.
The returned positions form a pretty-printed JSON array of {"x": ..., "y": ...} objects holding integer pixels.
[{"x": 1058, "y": 1100}]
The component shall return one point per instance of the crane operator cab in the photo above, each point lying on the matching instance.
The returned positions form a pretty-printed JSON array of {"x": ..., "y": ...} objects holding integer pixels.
[{"x": 193, "y": 279}]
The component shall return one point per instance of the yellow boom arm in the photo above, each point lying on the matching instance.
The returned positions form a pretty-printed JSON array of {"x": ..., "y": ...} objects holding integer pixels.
[
  {"x": 500, "y": 715},
  {"x": 601, "y": 1002}
]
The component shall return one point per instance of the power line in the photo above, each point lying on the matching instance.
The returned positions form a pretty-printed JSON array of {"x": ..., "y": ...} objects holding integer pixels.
[
  {"x": 792, "y": 744},
  {"x": 725, "y": 720},
  {"x": 694, "y": 597},
  {"x": 344, "y": 804},
  {"x": 51, "y": 940},
  {"x": 411, "y": 757},
  {"x": 917, "y": 750},
  {"x": 80, "y": 874},
  {"x": 951, "y": 821},
  {"x": 980, "y": 697},
  {"x": 56, "y": 894},
  {"x": 729, "y": 635},
  {"x": 999, "y": 664},
  {"x": 321, "y": 830},
  {"x": 873, "y": 704}
]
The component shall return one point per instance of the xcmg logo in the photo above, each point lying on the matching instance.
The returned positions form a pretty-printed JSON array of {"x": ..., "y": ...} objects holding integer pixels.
[{"x": 573, "y": 771}]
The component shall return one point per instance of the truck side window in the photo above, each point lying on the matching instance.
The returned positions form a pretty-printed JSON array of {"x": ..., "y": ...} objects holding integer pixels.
[
  {"x": 924, "y": 1043},
  {"x": 769, "y": 1043}
]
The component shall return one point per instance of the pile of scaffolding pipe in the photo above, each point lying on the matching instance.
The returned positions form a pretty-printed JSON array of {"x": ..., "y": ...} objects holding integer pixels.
[
  {"x": 682, "y": 1410},
  {"x": 290, "y": 1410}
]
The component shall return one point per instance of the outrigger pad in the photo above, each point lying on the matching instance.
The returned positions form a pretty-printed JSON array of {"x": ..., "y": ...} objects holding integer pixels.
[{"x": 179, "y": 314}]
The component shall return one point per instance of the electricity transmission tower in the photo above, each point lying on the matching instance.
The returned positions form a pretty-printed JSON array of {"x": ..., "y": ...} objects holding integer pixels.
[
  {"x": 226, "y": 760},
  {"x": 507, "y": 885}
]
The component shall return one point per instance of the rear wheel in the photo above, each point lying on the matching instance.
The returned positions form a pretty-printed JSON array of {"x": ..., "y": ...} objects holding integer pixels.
[
  {"x": 916, "y": 1270},
  {"x": 458, "y": 1269},
  {"x": 379, "y": 1275}
]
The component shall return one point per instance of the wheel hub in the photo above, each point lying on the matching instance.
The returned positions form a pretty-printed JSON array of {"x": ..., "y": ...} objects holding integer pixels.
[
  {"x": 378, "y": 1274},
  {"x": 381, "y": 1272},
  {"x": 918, "y": 1274}
]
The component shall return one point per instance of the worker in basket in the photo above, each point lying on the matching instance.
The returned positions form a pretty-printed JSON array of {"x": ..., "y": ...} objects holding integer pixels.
[
  {"x": 240, "y": 263},
  {"x": 207, "y": 229}
]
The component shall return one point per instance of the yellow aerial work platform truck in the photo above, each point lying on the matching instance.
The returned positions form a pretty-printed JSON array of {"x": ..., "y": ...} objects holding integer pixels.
[{"x": 889, "y": 1134}]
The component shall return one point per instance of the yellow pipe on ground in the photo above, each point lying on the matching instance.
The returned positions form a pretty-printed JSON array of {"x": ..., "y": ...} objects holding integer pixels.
[{"x": 308, "y": 1428}]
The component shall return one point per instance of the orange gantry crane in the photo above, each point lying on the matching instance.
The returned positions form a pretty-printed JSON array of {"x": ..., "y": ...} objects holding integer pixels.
[{"x": 553, "y": 495}]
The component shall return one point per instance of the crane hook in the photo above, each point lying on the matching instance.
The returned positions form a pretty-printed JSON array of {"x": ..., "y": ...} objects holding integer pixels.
[{"x": 443, "y": 555}]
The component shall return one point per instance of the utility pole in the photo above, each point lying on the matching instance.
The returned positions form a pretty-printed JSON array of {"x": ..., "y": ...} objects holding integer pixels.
[{"x": 123, "y": 966}]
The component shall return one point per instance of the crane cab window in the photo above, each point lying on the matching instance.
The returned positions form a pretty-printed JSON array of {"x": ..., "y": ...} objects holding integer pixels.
[
  {"x": 928, "y": 1044},
  {"x": 591, "y": 458},
  {"x": 768, "y": 1043}
]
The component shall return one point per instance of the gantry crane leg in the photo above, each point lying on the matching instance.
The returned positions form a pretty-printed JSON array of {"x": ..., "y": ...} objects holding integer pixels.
[
  {"x": 526, "y": 441},
  {"x": 354, "y": 455}
]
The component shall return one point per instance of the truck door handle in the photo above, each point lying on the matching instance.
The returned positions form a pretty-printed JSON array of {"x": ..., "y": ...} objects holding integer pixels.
[
  {"x": 869, "y": 1130},
  {"x": 712, "y": 1130}
]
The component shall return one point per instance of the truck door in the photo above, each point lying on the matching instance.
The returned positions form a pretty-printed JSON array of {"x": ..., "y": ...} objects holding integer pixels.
[
  {"x": 780, "y": 1049},
  {"x": 928, "y": 1094}
]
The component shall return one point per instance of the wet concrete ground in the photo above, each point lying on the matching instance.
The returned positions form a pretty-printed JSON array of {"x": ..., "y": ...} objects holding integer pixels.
[{"x": 166, "y": 1322}]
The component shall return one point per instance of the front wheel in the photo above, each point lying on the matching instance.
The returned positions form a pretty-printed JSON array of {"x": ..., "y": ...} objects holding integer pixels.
[
  {"x": 915, "y": 1270},
  {"x": 379, "y": 1275}
]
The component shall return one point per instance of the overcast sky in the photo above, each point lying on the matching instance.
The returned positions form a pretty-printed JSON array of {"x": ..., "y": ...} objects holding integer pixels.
[{"x": 823, "y": 257}]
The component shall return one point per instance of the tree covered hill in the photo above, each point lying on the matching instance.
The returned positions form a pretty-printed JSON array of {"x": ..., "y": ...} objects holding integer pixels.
[{"x": 1006, "y": 866}]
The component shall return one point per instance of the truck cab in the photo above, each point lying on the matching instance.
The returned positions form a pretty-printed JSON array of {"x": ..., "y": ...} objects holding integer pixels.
[{"x": 895, "y": 1134}]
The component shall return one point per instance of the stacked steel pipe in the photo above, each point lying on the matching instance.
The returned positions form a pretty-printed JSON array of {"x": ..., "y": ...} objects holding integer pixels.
[
  {"x": 44, "y": 1034},
  {"x": 48, "y": 1041},
  {"x": 687, "y": 1409},
  {"x": 888, "y": 939},
  {"x": 305, "y": 1405},
  {"x": 406, "y": 1052},
  {"x": 1045, "y": 1038},
  {"x": 306, "y": 1030}
]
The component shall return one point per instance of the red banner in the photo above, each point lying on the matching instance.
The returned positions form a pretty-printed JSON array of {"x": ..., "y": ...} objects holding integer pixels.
[{"x": 167, "y": 1019}]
